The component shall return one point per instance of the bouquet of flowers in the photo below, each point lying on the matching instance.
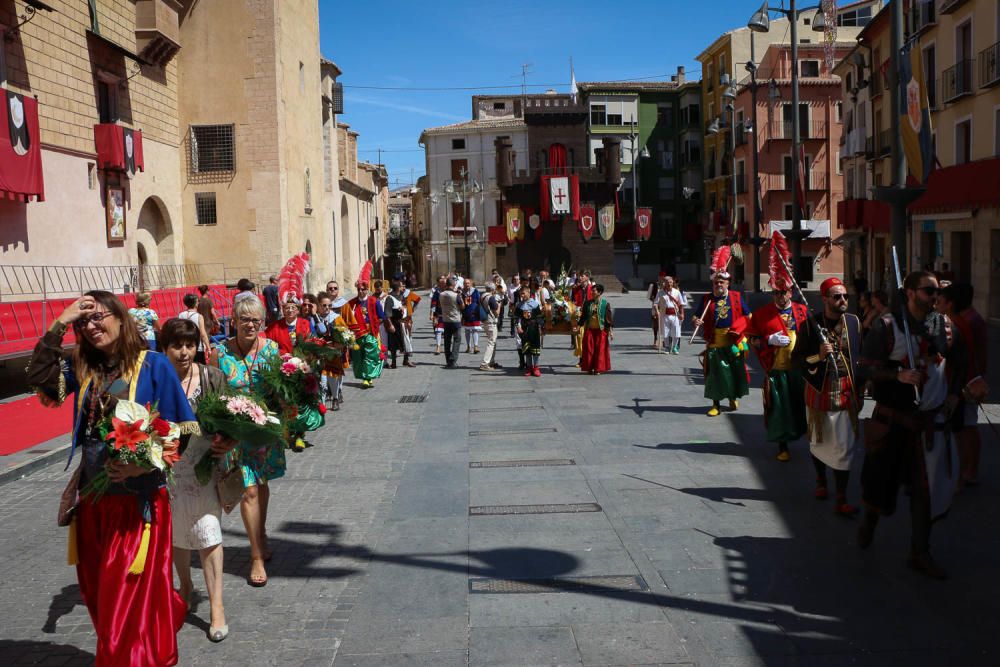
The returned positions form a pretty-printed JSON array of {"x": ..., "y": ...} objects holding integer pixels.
[
  {"x": 290, "y": 387},
  {"x": 561, "y": 312},
  {"x": 344, "y": 337},
  {"x": 235, "y": 416},
  {"x": 317, "y": 351},
  {"x": 136, "y": 434}
]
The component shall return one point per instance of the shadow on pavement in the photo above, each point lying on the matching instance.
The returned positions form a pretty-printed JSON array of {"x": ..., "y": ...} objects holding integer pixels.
[
  {"x": 26, "y": 652},
  {"x": 62, "y": 603}
]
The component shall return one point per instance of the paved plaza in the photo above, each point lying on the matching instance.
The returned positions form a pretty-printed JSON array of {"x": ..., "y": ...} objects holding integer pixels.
[{"x": 569, "y": 519}]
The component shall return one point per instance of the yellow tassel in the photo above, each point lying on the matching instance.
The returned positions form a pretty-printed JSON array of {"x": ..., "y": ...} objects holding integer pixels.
[
  {"x": 139, "y": 564},
  {"x": 72, "y": 557}
]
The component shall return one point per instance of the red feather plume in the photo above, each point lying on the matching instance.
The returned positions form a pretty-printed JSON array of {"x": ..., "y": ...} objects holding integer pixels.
[
  {"x": 780, "y": 277},
  {"x": 366, "y": 274},
  {"x": 291, "y": 279},
  {"x": 720, "y": 259}
]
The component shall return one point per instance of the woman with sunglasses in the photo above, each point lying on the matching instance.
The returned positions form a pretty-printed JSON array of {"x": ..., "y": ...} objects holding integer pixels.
[
  {"x": 136, "y": 616},
  {"x": 240, "y": 359}
]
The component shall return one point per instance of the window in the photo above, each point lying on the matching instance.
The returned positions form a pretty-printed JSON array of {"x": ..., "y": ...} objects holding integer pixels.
[
  {"x": 204, "y": 207},
  {"x": 458, "y": 144},
  {"x": 963, "y": 141},
  {"x": 598, "y": 114},
  {"x": 856, "y": 18},
  {"x": 809, "y": 68},
  {"x": 107, "y": 98},
  {"x": 499, "y": 106},
  {"x": 615, "y": 119},
  {"x": 930, "y": 63},
  {"x": 213, "y": 148},
  {"x": 787, "y": 208},
  {"x": 709, "y": 78},
  {"x": 666, "y": 187},
  {"x": 838, "y": 112},
  {"x": 307, "y": 186},
  {"x": 840, "y": 170},
  {"x": 665, "y": 115}
]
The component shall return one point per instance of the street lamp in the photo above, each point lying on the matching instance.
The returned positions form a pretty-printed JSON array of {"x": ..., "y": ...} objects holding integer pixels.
[
  {"x": 761, "y": 22},
  {"x": 460, "y": 191},
  {"x": 636, "y": 153}
]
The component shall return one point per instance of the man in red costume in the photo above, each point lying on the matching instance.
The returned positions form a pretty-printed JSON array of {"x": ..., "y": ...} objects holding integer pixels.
[
  {"x": 772, "y": 331},
  {"x": 581, "y": 293},
  {"x": 367, "y": 313},
  {"x": 291, "y": 329},
  {"x": 724, "y": 319}
]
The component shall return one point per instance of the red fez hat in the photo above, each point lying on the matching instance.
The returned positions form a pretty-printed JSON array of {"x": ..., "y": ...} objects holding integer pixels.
[{"x": 828, "y": 283}]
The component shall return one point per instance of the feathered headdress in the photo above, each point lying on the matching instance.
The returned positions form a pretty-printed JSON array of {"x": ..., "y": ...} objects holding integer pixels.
[
  {"x": 720, "y": 262},
  {"x": 291, "y": 280},
  {"x": 366, "y": 274},
  {"x": 778, "y": 263}
]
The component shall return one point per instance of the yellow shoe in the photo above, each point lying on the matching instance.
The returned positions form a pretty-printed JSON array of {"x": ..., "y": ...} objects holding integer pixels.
[
  {"x": 714, "y": 411},
  {"x": 734, "y": 405},
  {"x": 299, "y": 444},
  {"x": 784, "y": 456}
]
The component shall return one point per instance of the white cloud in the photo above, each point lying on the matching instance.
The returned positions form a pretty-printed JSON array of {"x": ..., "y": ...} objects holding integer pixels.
[{"x": 403, "y": 107}]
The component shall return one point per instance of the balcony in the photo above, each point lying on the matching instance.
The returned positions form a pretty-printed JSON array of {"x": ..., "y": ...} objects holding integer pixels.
[
  {"x": 948, "y": 6},
  {"x": 989, "y": 66},
  {"x": 922, "y": 16},
  {"x": 782, "y": 130},
  {"x": 157, "y": 31},
  {"x": 884, "y": 146},
  {"x": 956, "y": 81},
  {"x": 741, "y": 137},
  {"x": 815, "y": 181}
]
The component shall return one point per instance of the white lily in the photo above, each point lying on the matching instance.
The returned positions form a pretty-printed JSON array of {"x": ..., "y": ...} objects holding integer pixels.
[
  {"x": 156, "y": 454},
  {"x": 131, "y": 412}
]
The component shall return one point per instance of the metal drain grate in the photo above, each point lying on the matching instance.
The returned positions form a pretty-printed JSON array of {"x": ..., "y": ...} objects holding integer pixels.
[
  {"x": 519, "y": 407},
  {"x": 511, "y": 431},
  {"x": 559, "y": 585},
  {"x": 413, "y": 398},
  {"x": 522, "y": 463},
  {"x": 568, "y": 508}
]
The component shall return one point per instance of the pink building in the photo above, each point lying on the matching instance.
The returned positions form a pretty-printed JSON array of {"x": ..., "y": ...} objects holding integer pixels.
[{"x": 820, "y": 112}]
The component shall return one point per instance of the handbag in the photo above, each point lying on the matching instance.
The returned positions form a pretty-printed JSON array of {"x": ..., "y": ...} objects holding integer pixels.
[
  {"x": 70, "y": 499},
  {"x": 229, "y": 488}
]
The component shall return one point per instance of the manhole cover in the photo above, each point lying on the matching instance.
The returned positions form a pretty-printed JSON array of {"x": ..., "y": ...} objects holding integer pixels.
[
  {"x": 511, "y": 431},
  {"x": 559, "y": 585},
  {"x": 413, "y": 398},
  {"x": 523, "y": 463},
  {"x": 568, "y": 508},
  {"x": 519, "y": 407}
]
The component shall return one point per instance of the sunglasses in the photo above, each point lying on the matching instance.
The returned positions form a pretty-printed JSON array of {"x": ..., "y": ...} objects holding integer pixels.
[
  {"x": 251, "y": 321},
  {"x": 838, "y": 297},
  {"x": 96, "y": 318},
  {"x": 930, "y": 291}
]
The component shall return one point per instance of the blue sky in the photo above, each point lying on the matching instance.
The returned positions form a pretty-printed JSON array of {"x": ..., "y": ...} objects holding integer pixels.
[{"x": 440, "y": 44}]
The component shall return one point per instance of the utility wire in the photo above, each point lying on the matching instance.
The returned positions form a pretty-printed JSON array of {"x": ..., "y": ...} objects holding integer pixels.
[{"x": 504, "y": 87}]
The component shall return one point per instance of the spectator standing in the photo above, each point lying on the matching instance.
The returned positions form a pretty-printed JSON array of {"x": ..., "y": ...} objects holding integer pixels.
[
  {"x": 491, "y": 310},
  {"x": 271, "y": 305},
  {"x": 450, "y": 304},
  {"x": 146, "y": 319},
  {"x": 191, "y": 314}
]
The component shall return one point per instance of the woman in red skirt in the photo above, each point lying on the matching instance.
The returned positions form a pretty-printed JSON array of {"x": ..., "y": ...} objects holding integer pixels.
[
  {"x": 597, "y": 322},
  {"x": 122, "y": 540}
]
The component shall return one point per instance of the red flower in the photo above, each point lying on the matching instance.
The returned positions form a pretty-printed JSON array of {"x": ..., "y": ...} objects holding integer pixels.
[
  {"x": 171, "y": 452},
  {"x": 161, "y": 427},
  {"x": 126, "y": 436},
  {"x": 322, "y": 409}
]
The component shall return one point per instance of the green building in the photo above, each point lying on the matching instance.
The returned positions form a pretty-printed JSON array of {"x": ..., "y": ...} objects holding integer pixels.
[{"x": 660, "y": 127}]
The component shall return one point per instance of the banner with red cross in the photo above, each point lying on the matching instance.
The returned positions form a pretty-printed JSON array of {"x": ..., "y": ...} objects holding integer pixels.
[{"x": 559, "y": 197}]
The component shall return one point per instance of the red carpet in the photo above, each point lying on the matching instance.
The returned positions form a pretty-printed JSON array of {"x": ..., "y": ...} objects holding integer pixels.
[{"x": 26, "y": 423}]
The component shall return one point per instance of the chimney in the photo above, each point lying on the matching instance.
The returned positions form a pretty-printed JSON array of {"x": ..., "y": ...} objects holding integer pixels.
[{"x": 680, "y": 74}]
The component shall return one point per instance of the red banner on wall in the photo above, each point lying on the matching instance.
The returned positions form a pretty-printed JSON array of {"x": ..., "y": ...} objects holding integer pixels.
[
  {"x": 20, "y": 149},
  {"x": 119, "y": 148},
  {"x": 588, "y": 220},
  {"x": 643, "y": 223}
]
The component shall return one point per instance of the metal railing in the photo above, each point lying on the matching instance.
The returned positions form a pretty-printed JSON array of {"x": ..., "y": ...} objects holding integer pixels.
[
  {"x": 884, "y": 142},
  {"x": 22, "y": 282},
  {"x": 782, "y": 129},
  {"x": 956, "y": 81},
  {"x": 989, "y": 65}
]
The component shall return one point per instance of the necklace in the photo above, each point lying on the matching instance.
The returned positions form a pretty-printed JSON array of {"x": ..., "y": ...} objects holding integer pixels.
[
  {"x": 188, "y": 380},
  {"x": 252, "y": 353}
]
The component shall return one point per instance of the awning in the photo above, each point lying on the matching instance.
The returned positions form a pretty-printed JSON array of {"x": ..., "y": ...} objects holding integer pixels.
[
  {"x": 497, "y": 235},
  {"x": 461, "y": 231},
  {"x": 849, "y": 236},
  {"x": 962, "y": 187},
  {"x": 20, "y": 149},
  {"x": 119, "y": 148},
  {"x": 820, "y": 228}
]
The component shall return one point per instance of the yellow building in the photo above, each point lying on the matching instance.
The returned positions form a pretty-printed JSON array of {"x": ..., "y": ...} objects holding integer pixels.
[
  {"x": 724, "y": 62},
  {"x": 956, "y": 224}
]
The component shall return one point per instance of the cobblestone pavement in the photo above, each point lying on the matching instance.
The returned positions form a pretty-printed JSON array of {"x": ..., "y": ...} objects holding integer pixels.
[{"x": 654, "y": 535}]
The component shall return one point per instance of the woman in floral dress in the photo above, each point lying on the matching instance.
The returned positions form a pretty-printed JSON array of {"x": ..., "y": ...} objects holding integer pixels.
[{"x": 240, "y": 358}]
